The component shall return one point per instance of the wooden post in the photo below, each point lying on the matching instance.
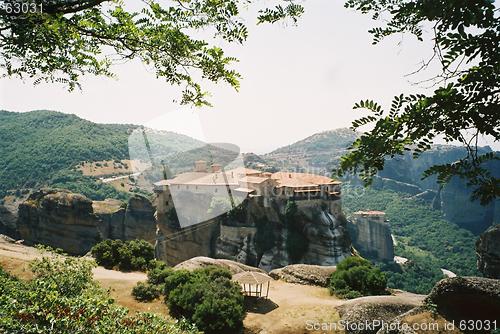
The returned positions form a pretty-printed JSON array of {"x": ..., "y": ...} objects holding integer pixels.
[{"x": 267, "y": 293}]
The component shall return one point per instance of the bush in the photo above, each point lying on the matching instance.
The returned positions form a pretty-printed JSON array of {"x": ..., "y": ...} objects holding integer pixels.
[
  {"x": 106, "y": 253},
  {"x": 356, "y": 277},
  {"x": 206, "y": 297},
  {"x": 158, "y": 273},
  {"x": 145, "y": 292},
  {"x": 63, "y": 298},
  {"x": 124, "y": 255}
]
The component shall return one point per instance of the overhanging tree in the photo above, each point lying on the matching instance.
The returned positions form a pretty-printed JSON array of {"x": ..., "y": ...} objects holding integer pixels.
[
  {"x": 61, "y": 40},
  {"x": 464, "y": 104}
]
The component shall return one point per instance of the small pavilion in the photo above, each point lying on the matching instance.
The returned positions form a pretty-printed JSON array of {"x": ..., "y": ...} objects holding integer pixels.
[{"x": 253, "y": 283}]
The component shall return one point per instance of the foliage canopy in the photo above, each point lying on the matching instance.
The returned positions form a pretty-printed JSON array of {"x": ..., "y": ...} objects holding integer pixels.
[
  {"x": 356, "y": 277},
  {"x": 124, "y": 255},
  {"x": 207, "y": 297},
  {"x": 464, "y": 105},
  {"x": 65, "y": 39}
]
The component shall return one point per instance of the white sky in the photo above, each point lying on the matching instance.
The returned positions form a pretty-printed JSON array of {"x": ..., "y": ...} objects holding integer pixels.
[{"x": 296, "y": 81}]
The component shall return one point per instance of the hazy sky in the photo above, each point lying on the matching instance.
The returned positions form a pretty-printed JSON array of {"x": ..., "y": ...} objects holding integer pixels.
[{"x": 296, "y": 81}]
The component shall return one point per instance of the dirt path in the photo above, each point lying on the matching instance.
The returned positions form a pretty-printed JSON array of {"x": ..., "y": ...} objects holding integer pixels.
[{"x": 290, "y": 307}]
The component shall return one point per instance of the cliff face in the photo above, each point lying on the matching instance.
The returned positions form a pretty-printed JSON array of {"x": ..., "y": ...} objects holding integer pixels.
[
  {"x": 459, "y": 209},
  {"x": 174, "y": 246},
  {"x": 9, "y": 214},
  {"x": 488, "y": 252},
  {"x": 59, "y": 219},
  {"x": 371, "y": 235},
  {"x": 455, "y": 197},
  {"x": 139, "y": 222},
  {"x": 72, "y": 222},
  {"x": 260, "y": 236}
]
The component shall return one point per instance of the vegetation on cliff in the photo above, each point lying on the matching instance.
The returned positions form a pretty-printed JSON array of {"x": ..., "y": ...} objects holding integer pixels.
[
  {"x": 124, "y": 255},
  {"x": 63, "y": 298},
  {"x": 356, "y": 277}
]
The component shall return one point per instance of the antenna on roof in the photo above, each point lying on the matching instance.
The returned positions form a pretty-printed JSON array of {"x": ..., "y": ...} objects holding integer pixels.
[
  {"x": 228, "y": 188},
  {"x": 166, "y": 170}
]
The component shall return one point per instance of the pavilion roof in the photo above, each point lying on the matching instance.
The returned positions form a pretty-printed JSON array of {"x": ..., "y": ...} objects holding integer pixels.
[{"x": 251, "y": 277}]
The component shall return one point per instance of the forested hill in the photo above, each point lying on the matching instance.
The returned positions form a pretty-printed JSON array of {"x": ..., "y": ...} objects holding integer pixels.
[
  {"x": 321, "y": 150},
  {"x": 40, "y": 147}
]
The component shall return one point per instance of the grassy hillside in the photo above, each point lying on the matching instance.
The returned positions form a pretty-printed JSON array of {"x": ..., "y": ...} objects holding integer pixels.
[{"x": 40, "y": 148}]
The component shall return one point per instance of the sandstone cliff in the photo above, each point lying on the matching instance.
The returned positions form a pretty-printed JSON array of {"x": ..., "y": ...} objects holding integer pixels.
[
  {"x": 260, "y": 236},
  {"x": 9, "y": 207},
  {"x": 371, "y": 235},
  {"x": 139, "y": 222},
  {"x": 72, "y": 222},
  {"x": 488, "y": 252},
  {"x": 60, "y": 219}
]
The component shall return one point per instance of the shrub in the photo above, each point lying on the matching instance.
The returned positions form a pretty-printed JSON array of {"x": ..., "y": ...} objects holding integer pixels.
[
  {"x": 206, "y": 297},
  {"x": 106, "y": 253},
  {"x": 124, "y": 255},
  {"x": 158, "y": 273},
  {"x": 177, "y": 279},
  {"x": 145, "y": 292},
  {"x": 356, "y": 277}
]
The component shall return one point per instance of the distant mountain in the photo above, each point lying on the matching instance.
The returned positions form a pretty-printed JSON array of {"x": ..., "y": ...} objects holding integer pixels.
[{"x": 321, "y": 151}]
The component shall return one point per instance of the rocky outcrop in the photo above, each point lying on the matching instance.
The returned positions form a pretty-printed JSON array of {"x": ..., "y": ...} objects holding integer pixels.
[
  {"x": 60, "y": 219},
  {"x": 112, "y": 214},
  {"x": 455, "y": 197},
  {"x": 72, "y": 222},
  {"x": 8, "y": 216},
  {"x": 371, "y": 235},
  {"x": 201, "y": 262},
  {"x": 306, "y": 274},
  {"x": 139, "y": 222},
  {"x": 175, "y": 245},
  {"x": 458, "y": 208},
  {"x": 258, "y": 236},
  {"x": 419, "y": 317},
  {"x": 328, "y": 240},
  {"x": 464, "y": 298},
  {"x": 266, "y": 239},
  {"x": 488, "y": 252}
]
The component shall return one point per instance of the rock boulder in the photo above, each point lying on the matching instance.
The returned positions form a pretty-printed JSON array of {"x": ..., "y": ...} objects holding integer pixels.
[
  {"x": 201, "y": 262},
  {"x": 466, "y": 298},
  {"x": 304, "y": 274},
  {"x": 367, "y": 314}
]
